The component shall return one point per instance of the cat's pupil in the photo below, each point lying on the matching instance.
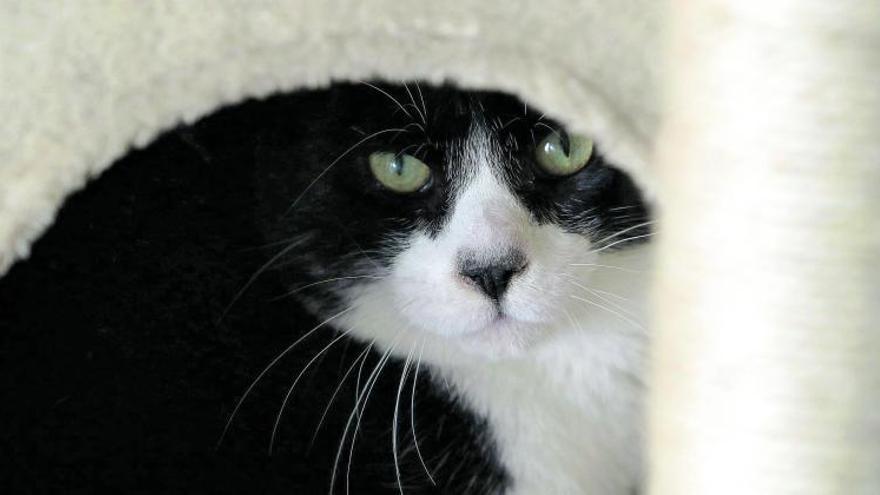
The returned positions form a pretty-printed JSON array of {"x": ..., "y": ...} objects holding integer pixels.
[
  {"x": 566, "y": 144},
  {"x": 397, "y": 165}
]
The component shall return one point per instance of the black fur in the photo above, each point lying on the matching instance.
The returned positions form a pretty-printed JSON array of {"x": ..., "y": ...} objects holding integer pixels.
[
  {"x": 344, "y": 223},
  {"x": 126, "y": 339}
]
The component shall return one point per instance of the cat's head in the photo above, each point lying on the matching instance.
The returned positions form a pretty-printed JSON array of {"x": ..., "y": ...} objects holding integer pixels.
[{"x": 440, "y": 218}]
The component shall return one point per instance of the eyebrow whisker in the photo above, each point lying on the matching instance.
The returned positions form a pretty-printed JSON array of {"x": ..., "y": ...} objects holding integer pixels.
[
  {"x": 395, "y": 100},
  {"x": 413, "y": 100}
]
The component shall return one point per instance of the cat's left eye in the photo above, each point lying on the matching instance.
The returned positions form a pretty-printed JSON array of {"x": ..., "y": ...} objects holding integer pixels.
[
  {"x": 399, "y": 173},
  {"x": 560, "y": 154}
]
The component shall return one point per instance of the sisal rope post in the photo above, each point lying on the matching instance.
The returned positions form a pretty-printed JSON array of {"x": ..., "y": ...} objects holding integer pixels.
[{"x": 766, "y": 371}]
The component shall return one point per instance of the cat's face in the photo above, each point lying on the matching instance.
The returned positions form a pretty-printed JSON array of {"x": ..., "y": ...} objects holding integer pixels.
[{"x": 442, "y": 218}]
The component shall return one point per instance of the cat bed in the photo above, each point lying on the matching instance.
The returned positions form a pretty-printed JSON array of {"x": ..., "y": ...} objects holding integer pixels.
[
  {"x": 765, "y": 171},
  {"x": 86, "y": 83}
]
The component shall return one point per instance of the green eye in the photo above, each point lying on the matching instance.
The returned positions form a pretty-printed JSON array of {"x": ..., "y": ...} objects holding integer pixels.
[
  {"x": 559, "y": 154},
  {"x": 400, "y": 173}
]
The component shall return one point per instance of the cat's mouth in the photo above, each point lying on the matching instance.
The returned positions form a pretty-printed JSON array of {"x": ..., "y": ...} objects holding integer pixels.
[
  {"x": 501, "y": 321},
  {"x": 503, "y": 337}
]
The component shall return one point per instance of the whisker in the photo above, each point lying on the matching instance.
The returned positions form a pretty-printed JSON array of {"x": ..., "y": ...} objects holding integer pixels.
[
  {"x": 394, "y": 421},
  {"x": 621, "y": 241},
  {"x": 296, "y": 243},
  {"x": 357, "y": 385},
  {"x": 467, "y": 488},
  {"x": 413, "y": 100},
  {"x": 412, "y": 418},
  {"x": 617, "y": 306},
  {"x": 611, "y": 294},
  {"x": 605, "y": 292},
  {"x": 357, "y": 425},
  {"x": 612, "y": 267},
  {"x": 416, "y": 125},
  {"x": 623, "y": 231},
  {"x": 552, "y": 130},
  {"x": 334, "y": 162},
  {"x": 269, "y": 366},
  {"x": 621, "y": 308},
  {"x": 361, "y": 358},
  {"x": 609, "y": 310},
  {"x": 295, "y": 382},
  {"x": 405, "y": 149},
  {"x": 511, "y": 121},
  {"x": 395, "y": 100},
  {"x": 295, "y": 238},
  {"x": 443, "y": 460},
  {"x": 355, "y": 412},
  {"x": 360, "y": 248},
  {"x": 571, "y": 319},
  {"x": 422, "y": 98},
  {"x": 326, "y": 281},
  {"x": 419, "y": 149}
]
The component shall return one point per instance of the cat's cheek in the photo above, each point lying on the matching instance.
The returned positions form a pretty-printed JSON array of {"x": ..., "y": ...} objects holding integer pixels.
[
  {"x": 442, "y": 308},
  {"x": 535, "y": 304},
  {"x": 426, "y": 294}
]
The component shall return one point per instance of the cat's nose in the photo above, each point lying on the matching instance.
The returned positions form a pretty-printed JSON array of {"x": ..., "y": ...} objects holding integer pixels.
[{"x": 492, "y": 277}]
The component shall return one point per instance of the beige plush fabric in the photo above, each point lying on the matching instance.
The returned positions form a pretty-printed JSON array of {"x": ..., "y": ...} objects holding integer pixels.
[
  {"x": 767, "y": 377},
  {"x": 83, "y": 81}
]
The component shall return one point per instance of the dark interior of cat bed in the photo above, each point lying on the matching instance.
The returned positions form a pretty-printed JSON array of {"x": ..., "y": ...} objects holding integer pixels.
[{"x": 125, "y": 345}]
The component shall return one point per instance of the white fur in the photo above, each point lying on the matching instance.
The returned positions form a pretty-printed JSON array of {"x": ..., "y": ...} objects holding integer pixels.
[
  {"x": 559, "y": 378},
  {"x": 567, "y": 416}
]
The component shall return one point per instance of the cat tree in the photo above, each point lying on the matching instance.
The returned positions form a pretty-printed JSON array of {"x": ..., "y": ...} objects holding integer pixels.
[{"x": 760, "y": 149}]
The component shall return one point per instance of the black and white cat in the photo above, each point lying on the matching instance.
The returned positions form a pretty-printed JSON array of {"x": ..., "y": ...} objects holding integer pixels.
[{"x": 469, "y": 236}]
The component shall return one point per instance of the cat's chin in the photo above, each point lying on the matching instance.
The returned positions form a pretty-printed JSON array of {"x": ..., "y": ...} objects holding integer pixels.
[{"x": 502, "y": 338}]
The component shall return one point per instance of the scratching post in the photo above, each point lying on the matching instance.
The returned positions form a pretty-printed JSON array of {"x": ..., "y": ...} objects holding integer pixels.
[{"x": 767, "y": 357}]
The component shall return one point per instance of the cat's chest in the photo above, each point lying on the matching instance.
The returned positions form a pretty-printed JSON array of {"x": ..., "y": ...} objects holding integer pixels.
[{"x": 567, "y": 420}]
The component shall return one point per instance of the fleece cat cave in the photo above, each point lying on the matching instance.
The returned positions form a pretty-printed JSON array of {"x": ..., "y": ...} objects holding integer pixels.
[{"x": 753, "y": 127}]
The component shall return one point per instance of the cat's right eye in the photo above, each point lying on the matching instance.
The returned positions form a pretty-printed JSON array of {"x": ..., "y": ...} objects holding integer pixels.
[
  {"x": 560, "y": 154},
  {"x": 399, "y": 172}
]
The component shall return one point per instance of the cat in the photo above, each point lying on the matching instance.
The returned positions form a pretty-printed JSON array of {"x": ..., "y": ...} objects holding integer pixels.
[{"x": 481, "y": 242}]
